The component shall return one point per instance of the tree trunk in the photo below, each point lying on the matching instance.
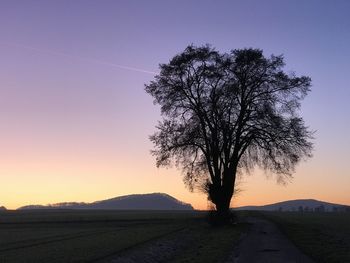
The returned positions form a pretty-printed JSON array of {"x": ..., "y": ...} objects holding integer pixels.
[
  {"x": 222, "y": 215},
  {"x": 223, "y": 207},
  {"x": 221, "y": 194}
]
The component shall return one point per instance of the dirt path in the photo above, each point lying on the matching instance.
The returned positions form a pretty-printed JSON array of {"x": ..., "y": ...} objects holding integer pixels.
[{"x": 264, "y": 243}]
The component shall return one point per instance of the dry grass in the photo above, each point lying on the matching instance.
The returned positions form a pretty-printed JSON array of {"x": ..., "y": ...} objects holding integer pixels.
[{"x": 323, "y": 236}]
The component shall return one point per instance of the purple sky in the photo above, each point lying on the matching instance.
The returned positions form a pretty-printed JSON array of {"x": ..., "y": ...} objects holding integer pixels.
[{"x": 74, "y": 114}]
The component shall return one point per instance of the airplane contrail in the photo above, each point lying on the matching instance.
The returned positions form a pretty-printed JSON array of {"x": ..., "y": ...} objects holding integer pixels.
[{"x": 101, "y": 62}]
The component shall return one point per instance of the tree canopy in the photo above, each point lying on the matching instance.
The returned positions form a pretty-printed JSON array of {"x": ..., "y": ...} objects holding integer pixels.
[{"x": 225, "y": 113}]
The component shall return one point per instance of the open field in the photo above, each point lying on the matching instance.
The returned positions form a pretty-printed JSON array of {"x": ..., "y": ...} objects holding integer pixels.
[
  {"x": 94, "y": 236},
  {"x": 323, "y": 236}
]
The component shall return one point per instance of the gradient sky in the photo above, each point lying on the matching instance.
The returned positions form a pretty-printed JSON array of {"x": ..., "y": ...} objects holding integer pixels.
[{"x": 75, "y": 119}]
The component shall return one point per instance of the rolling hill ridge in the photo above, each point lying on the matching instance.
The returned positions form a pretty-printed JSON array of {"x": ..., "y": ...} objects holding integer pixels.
[
  {"x": 154, "y": 201},
  {"x": 298, "y": 205}
]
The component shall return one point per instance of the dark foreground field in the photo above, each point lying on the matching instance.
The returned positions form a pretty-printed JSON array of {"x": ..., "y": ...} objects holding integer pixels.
[
  {"x": 103, "y": 236},
  {"x": 143, "y": 236},
  {"x": 325, "y": 237}
]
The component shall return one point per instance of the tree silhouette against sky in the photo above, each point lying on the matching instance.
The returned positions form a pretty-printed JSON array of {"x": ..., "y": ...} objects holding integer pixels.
[{"x": 225, "y": 113}]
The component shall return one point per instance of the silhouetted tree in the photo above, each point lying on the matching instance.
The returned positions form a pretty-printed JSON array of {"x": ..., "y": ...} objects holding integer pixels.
[{"x": 225, "y": 113}]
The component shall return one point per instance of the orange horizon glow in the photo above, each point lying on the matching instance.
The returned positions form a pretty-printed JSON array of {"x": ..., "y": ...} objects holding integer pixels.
[
  {"x": 85, "y": 183},
  {"x": 74, "y": 168}
]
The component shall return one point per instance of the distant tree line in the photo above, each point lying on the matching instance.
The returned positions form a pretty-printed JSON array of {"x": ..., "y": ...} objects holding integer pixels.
[{"x": 320, "y": 208}]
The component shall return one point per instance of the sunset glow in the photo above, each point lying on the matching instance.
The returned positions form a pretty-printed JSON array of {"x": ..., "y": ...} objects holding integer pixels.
[{"x": 75, "y": 119}]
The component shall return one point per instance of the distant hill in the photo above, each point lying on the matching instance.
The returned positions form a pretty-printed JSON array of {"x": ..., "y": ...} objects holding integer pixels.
[
  {"x": 155, "y": 201},
  {"x": 2, "y": 208},
  {"x": 298, "y": 205}
]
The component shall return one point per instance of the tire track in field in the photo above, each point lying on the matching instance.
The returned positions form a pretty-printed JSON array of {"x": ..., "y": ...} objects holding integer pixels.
[
  {"x": 58, "y": 238},
  {"x": 115, "y": 253}
]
